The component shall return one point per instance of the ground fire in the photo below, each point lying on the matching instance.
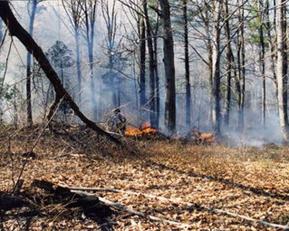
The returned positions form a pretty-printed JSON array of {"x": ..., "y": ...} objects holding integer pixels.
[{"x": 144, "y": 129}]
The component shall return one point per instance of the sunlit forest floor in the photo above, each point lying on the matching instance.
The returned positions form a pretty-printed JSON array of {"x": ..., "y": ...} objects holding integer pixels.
[{"x": 185, "y": 183}]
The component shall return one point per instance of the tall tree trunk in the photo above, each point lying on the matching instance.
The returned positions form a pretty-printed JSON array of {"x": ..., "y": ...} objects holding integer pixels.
[
  {"x": 157, "y": 79},
  {"x": 152, "y": 64},
  {"x": 281, "y": 66},
  {"x": 75, "y": 13},
  {"x": 262, "y": 59},
  {"x": 89, "y": 12},
  {"x": 169, "y": 63},
  {"x": 78, "y": 63},
  {"x": 243, "y": 56},
  {"x": 230, "y": 65},
  {"x": 187, "y": 65},
  {"x": 209, "y": 46},
  {"x": 142, "y": 60},
  {"x": 271, "y": 40},
  {"x": 92, "y": 79},
  {"x": 1, "y": 31},
  {"x": 240, "y": 81},
  {"x": 33, "y": 5},
  {"x": 216, "y": 67}
]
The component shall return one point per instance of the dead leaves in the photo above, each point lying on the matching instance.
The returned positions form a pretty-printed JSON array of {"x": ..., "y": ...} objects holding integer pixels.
[{"x": 208, "y": 164}]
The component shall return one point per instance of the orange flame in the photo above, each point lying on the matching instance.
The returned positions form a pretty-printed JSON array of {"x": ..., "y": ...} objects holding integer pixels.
[{"x": 144, "y": 129}]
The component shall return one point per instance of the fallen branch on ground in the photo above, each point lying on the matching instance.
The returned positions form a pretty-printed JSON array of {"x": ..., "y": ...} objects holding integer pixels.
[
  {"x": 124, "y": 208},
  {"x": 180, "y": 201},
  {"x": 85, "y": 199}
]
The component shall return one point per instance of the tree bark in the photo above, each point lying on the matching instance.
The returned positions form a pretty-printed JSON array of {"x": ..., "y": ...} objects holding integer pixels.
[
  {"x": 281, "y": 66},
  {"x": 78, "y": 63},
  {"x": 89, "y": 12},
  {"x": 216, "y": 67},
  {"x": 262, "y": 59},
  {"x": 142, "y": 60},
  {"x": 240, "y": 81},
  {"x": 157, "y": 76},
  {"x": 230, "y": 66},
  {"x": 152, "y": 64},
  {"x": 18, "y": 31},
  {"x": 33, "y": 4},
  {"x": 74, "y": 12},
  {"x": 1, "y": 31},
  {"x": 187, "y": 65},
  {"x": 270, "y": 38},
  {"x": 209, "y": 45},
  {"x": 169, "y": 63}
]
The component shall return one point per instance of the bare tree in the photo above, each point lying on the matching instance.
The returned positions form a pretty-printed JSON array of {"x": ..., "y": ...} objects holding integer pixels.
[
  {"x": 32, "y": 6},
  {"x": 152, "y": 66},
  {"x": 230, "y": 70},
  {"x": 109, "y": 14},
  {"x": 240, "y": 81},
  {"x": 142, "y": 59},
  {"x": 271, "y": 39},
  {"x": 169, "y": 63},
  {"x": 157, "y": 78},
  {"x": 282, "y": 66},
  {"x": 261, "y": 10},
  {"x": 73, "y": 9},
  {"x": 187, "y": 64},
  {"x": 216, "y": 56},
  {"x": 89, "y": 12}
]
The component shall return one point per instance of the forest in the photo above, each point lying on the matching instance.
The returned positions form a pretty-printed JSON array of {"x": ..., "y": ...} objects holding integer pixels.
[{"x": 144, "y": 115}]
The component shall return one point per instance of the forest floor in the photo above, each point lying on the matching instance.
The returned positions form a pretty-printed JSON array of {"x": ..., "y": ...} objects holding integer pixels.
[{"x": 198, "y": 187}]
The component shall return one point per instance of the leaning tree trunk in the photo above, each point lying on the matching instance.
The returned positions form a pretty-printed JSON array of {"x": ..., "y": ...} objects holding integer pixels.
[
  {"x": 281, "y": 66},
  {"x": 169, "y": 63},
  {"x": 28, "y": 67},
  {"x": 216, "y": 68},
  {"x": 187, "y": 65},
  {"x": 18, "y": 31}
]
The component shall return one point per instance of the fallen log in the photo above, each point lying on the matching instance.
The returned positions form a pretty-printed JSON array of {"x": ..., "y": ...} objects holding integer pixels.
[
  {"x": 91, "y": 206},
  {"x": 8, "y": 202}
]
